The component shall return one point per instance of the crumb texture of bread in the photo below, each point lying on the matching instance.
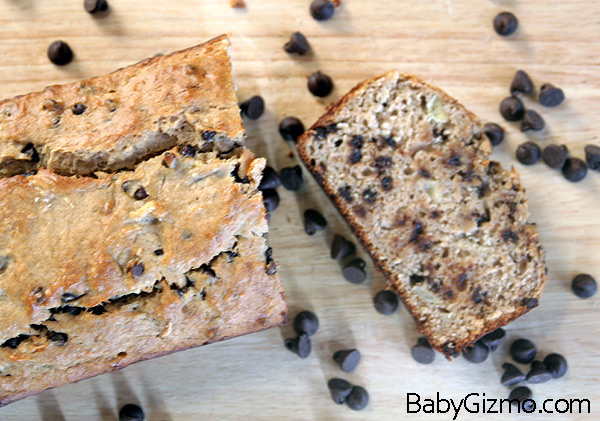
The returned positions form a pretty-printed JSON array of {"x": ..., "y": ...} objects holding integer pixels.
[
  {"x": 408, "y": 167},
  {"x": 117, "y": 120}
]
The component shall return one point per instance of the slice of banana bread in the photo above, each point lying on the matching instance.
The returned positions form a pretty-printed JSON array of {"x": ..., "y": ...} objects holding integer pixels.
[
  {"x": 407, "y": 167},
  {"x": 116, "y": 120},
  {"x": 98, "y": 273}
]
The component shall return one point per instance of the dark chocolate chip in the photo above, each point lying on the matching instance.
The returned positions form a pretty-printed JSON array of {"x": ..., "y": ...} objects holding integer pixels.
[
  {"x": 556, "y": 364},
  {"x": 78, "y": 108},
  {"x": 290, "y": 128},
  {"x": 137, "y": 269},
  {"x": 131, "y": 412},
  {"x": 532, "y": 120},
  {"x": 340, "y": 389},
  {"x": 297, "y": 44},
  {"x": 494, "y": 339},
  {"x": 454, "y": 160},
  {"x": 68, "y": 296},
  {"x": 386, "y": 183},
  {"x": 270, "y": 179},
  {"x": 574, "y": 169},
  {"x": 357, "y": 141},
  {"x": 358, "y": 398},
  {"x": 306, "y": 322},
  {"x": 93, "y": 6},
  {"x": 494, "y": 132},
  {"x": 30, "y": 151},
  {"x": 385, "y": 302},
  {"x": 345, "y": 193},
  {"x": 313, "y": 221},
  {"x": 512, "y": 375},
  {"x": 505, "y": 23},
  {"x": 347, "y": 359},
  {"x": 528, "y": 153},
  {"x": 340, "y": 247},
  {"x": 416, "y": 232},
  {"x": 299, "y": 345},
  {"x": 355, "y": 156},
  {"x": 291, "y": 177},
  {"x": 354, "y": 271},
  {"x": 523, "y": 351},
  {"x": 187, "y": 150},
  {"x": 322, "y": 9},
  {"x": 422, "y": 352},
  {"x": 370, "y": 196},
  {"x": 60, "y": 53},
  {"x": 253, "y": 108},
  {"x": 13, "y": 343},
  {"x": 538, "y": 373},
  {"x": 530, "y": 302},
  {"x": 522, "y": 395},
  {"x": 270, "y": 199},
  {"x": 555, "y": 156},
  {"x": 512, "y": 109},
  {"x": 521, "y": 83},
  {"x": 508, "y": 235},
  {"x": 476, "y": 353},
  {"x": 140, "y": 193},
  {"x": 320, "y": 84},
  {"x": 584, "y": 285},
  {"x": 592, "y": 156},
  {"x": 208, "y": 135},
  {"x": 59, "y": 337},
  {"x": 551, "y": 96}
]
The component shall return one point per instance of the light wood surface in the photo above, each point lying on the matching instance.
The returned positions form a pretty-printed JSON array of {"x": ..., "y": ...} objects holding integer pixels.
[{"x": 450, "y": 43}]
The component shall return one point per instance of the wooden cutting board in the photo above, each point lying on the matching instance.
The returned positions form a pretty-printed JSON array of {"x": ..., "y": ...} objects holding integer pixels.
[{"x": 449, "y": 43}]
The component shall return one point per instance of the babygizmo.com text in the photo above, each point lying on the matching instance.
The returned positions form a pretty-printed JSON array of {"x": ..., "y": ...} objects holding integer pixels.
[{"x": 477, "y": 403}]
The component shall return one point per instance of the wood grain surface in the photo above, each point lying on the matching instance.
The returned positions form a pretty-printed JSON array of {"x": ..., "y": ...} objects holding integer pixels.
[{"x": 450, "y": 43}]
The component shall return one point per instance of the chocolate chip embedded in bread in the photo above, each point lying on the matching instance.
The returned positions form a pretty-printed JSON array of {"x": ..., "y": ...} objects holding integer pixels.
[
  {"x": 137, "y": 269},
  {"x": 187, "y": 150},
  {"x": 370, "y": 196},
  {"x": 345, "y": 193},
  {"x": 78, "y": 108},
  {"x": 355, "y": 156},
  {"x": 59, "y": 337},
  {"x": 357, "y": 141},
  {"x": 30, "y": 151},
  {"x": 140, "y": 193},
  {"x": 208, "y": 135}
]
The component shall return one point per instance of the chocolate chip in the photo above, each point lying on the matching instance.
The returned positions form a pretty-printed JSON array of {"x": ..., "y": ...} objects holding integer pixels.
[
  {"x": 290, "y": 128},
  {"x": 13, "y": 343},
  {"x": 355, "y": 156},
  {"x": 385, "y": 302},
  {"x": 30, "y": 151},
  {"x": 297, "y": 44},
  {"x": 253, "y": 108},
  {"x": 320, "y": 132},
  {"x": 551, "y": 96},
  {"x": 512, "y": 375},
  {"x": 505, "y": 23},
  {"x": 538, "y": 373},
  {"x": 137, "y": 269},
  {"x": 140, "y": 193},
  {"x": 60, "y": 53},
  {"x": 93, "y": 6},
  {"x": 347, "y": 359},
  {"x": 4, "y": 260},
  {"x": 306, "y": 322},
  {"x": 270, "y": 199},
  {"x": 592, "y": 156},
  {"x": 416, "y": 232},
  {"x": 59, "y": 337},
  {"x": 131, "y": 412},
  {"x": 454, "y": 160},
  {"x": 494, "y": 132},
  {"x": 523, "y": 351},
  {"x": 208, "y": 135},
  {"x": 68, "y": 296},
  {"x": 291, "y": 177},
  {"x": 574, "y": 169},
  {"x": 340, "y": 247},
  {"x": 521, "y": 83},
  {"x": 187, "y": 150},
  {"x": 556, "y": 364},
  {"x": 357, "y": 142},
  {"x": 422, "y": 352},
  {"x": 532, "y": 121},
  {"x": 313, "y": 221},
  {"x": 522, "y": 394},
  {"x": 322, "y": 9},
  {"x": 358, "y": 398},
  {"x": 512, "y": 109},
  {"x": 528, "y": 153},
  {"x": 494, "y": 339},
  {"x": 299, "y": 345},
  {"x": 78, "y": 108},
  {"x": 270, "y": 179},
  {"x": 530, "y": 302},
  {"x": 555, "y": 156},
  {"x": 476, "y": 353},
  {"x": 97, "y": 310},
  {"x": 354, "y": 271},
  {"x": 345, "y": 193},
  {"x": 584, "y": 285},
  {"x": 370, "y": 196},
  {"x": 320, "y": 84},
  {"x": 386, "y": 183},
  {"x": 340, "y": 389}
]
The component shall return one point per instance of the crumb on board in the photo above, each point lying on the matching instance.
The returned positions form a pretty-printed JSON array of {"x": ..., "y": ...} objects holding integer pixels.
[{"x": 237, "y": 4}]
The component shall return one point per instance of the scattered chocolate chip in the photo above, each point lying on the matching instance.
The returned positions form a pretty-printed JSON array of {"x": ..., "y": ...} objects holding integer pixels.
[
  {"x": 290, "y": 128},
  {"x": 386, "y": 183},
  {"x": 522, "y": 394},
  {"x": 555, "y": 156},
  {"x": 137, "y": 269},
  {"x": 270, "y": 179},
  {"x": 505, "y": 23},
  {"x": 556, "y": 364},
  {"x": 78, "y": 108},
  {"x": 512, "y": 375},
  {"x": 340, "y": 389},
  {"x": 291, "y": 177},
  {"x": 320, "y": 84},
  {"x": 297, "y": 44},
  {"x": 306, "y": 322},
  {"x": 253, "y": 108},
  {"x": 574, "y": 169},
  {"x": 30, "y": 151},
  {"x": 584, "y": 285},
  {"x": 270, "y": 199},
  {"x": 358, "y": 398},
  {"x": 422, "y": 352},
  {"x": 313, "y": 221},
  {"x": 60, "y": 53},
  {"x": 347, "y": 359},
  {"x": 494, "y": 132},
  {"x": 538, "y": 373},
  {"x": 131, "y": 412},
  {"x": 532, "y": 120},
  {"x": 512, "y": 109},
  {"x": 476, "y": 353},
  {"x": 494, "y": 339},
  {"x": 523, "y": 351},
  {"x": 59, "y": 337},
  {"x": 385, "y": 302},
  {"x": 370, "y": 196},
  {"x": 299, "y": 345},
  {"x": 187, "y": 150},
  {"x": 354, "y": 272},
  {"x": 528, "y": 153},
  {"x": 93, "y": 6},
  {"x": 140, "y": 193},
  {"x": 592, "y": 156},
  {"x": 521, "y": 83},
  {"x": 340, "y": 247},
  {"x": 322, "y": 9},
  {"x": 551, "y": 96}
]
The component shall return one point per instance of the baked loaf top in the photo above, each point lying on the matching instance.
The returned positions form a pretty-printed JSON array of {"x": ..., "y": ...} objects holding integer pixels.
[
  {"x": 408, "y": 168},
  {"x": 114, "y": 121}
]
